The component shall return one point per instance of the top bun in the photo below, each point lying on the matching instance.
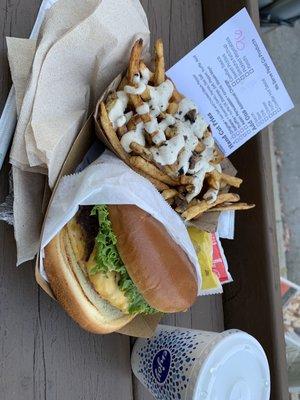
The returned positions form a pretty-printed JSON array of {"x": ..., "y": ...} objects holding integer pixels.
[{"x": 158, "y": 266}]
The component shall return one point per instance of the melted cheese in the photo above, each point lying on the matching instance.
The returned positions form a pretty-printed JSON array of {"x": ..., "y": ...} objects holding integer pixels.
[{"x": 107, "y": 286}]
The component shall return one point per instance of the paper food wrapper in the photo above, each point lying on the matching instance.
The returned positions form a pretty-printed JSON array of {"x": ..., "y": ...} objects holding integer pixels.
[
  {"x": 118, "y": 185},
  {"x": 80, "y": 48},
  {"x": 110, "y": 181},
  {"x": 207, "y": 221}
]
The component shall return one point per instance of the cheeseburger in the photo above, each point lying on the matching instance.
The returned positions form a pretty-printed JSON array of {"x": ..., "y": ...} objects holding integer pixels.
[{"x": 111, "y": 263}]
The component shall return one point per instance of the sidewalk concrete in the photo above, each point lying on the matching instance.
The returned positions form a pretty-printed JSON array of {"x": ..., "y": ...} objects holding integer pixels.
[{"x": 283, "y": 44}]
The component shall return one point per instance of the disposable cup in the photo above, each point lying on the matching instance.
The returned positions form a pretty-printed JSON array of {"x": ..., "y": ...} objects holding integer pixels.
[{"x": 187, "y": 364}]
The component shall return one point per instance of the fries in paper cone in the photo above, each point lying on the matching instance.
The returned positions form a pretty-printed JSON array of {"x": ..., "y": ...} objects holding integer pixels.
[{"x": 162, "y": 136}]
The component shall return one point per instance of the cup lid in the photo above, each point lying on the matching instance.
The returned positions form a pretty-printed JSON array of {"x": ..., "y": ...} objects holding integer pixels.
[{"x": 235, "y": 369}]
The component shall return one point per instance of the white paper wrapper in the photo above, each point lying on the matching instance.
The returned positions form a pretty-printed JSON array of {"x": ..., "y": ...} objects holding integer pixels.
[
  {"x": 226, "y": 225},
  {"x": 109, "y": 181}
]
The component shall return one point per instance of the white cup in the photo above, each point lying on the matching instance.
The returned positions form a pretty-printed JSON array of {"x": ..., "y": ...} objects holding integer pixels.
[{"x": 187, "y": 364}]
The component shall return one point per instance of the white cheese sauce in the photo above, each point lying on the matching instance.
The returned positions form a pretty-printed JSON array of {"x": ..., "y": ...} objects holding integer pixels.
[
  {"x": 159, "y": 137},
  {"x": 218, "y": 168},
  {"x": 120, "y": 121},
  {"x": 199, "y": 127},
  {"x": 167, "y": 121},
  {"x": 186, "y": 154},
  {"x": 209, "y": 141},
  {"x": 161, "y": 127},
  {"x": 167, "y": 153},
  {"x": 199, "y": 179},
  {"x": 128, "y": 116},
  {"x": 143, "y": 109},
  {"x": 211, "y": 195},
  {"x": 141, "y": 87},
  {"x": 136, "y": 135},
  {"x": 160, "y": 95},
  {"x": 116, "y": 113},
  {"x": 184, "y": 107},
  {"x": 180, "y": 148},
  {"x": 136, "y": 79},
  {"x": 146, "y": 75},
  {"x": 151, "y": 126}
]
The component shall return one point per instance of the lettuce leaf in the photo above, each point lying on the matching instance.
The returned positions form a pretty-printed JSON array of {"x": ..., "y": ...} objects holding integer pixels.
[{"x": 108, "y": 259}]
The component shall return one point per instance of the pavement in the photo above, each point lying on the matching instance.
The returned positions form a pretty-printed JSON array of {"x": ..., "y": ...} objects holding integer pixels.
[{"x": 283, "y": 44}]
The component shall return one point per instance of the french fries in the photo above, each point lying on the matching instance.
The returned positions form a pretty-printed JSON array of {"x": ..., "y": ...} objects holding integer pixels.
[
  {"x": 172, "y": 108},
  {"x": 137, "y": 102},
  {"x": 214, "y": 179},
  {"x": 141, "y": 151},
  {"x": 198, "y": 209},
  {"x": 159, "y": 74},
  {"x": 232, "y": 207},
  {"x": 169, "y": 194},
  {"x": 111, "y": 134},
  {"x": 147, "y": 114},
  {"x": 121, "y": 131},
  {"x": 176, "y": 96},
  {"x": 216, "y": 176},
  {"x": 134, "y": 63},
  {"x": 123, "y": 83},
  {"x": 150, "y": 169}
]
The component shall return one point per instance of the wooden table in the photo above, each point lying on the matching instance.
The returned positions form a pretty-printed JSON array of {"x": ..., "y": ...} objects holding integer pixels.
[{"x": 43, "y": 354}]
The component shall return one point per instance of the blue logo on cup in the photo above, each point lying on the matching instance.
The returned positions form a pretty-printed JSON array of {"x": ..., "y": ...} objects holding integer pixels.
[{"x": 161, "y": 365}]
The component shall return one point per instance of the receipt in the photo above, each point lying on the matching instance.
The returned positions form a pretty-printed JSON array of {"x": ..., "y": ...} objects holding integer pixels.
[{"x": 232, "y": 79}]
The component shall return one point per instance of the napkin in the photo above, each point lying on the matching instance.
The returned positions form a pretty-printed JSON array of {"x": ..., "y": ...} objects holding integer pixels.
[{"x": 81, "y": 46}]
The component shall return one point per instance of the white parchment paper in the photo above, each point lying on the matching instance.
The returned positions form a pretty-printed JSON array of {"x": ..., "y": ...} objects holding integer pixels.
[{"x": 109, "y": 181}]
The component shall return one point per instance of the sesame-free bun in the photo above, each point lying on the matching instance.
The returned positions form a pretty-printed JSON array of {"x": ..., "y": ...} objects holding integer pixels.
[{"x": 159, "y": 268}]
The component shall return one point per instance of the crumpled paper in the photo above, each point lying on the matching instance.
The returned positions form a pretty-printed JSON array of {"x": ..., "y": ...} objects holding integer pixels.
[
  {"x": 20, "y": 56},
  {"x": 80, "y": 48},
  {"x": 109, "y": 181},
  {"x": 73, "y": 63}
]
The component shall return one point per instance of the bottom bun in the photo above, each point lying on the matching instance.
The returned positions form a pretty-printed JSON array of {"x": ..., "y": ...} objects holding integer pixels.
[{"x": 74, "y": 291}]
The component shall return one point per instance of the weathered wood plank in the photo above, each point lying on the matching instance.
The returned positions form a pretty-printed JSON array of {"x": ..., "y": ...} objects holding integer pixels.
[
  {"x": 43, "y": 354},
  {"x": 18, "y": 292}
]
